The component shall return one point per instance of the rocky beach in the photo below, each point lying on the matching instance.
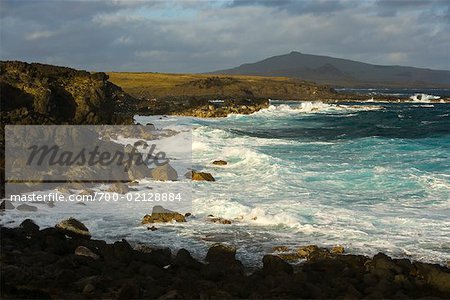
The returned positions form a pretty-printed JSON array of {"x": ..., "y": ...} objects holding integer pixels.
[
  {"x": 65, "y": 261},
  {"x": 231, "y": 149}
]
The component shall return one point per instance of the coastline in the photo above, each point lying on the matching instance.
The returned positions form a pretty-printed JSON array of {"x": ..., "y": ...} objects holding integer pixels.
[
  {"x": 64, "y": 262},
  {"x": 28, "y": 252}
]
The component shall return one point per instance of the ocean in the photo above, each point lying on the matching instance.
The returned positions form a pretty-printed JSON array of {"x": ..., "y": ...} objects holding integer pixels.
[{"x": 372, "y": 177}]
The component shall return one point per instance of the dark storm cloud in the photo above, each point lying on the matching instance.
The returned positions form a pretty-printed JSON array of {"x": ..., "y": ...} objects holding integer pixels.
[{"x": 189, "y": 36}]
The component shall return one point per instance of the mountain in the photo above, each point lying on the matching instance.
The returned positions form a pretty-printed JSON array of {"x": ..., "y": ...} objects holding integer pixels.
[{"x": 342, "y": 72}]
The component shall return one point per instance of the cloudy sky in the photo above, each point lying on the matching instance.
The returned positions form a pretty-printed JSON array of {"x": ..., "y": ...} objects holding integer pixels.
[{"x": 198, "y": 36}]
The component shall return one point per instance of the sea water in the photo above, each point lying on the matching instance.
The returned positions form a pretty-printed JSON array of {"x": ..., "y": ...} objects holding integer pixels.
[{"x": 368, "y": 176}]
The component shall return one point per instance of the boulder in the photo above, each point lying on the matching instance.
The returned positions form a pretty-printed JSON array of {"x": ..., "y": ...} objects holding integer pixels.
[
  {"x": 184, "y": 259},
  {"x": 435, "y": 275},
  {"x": 119, "y": 252},
  {"x": 222, "y": 262},
  {"x": 219, "y": 163},
  {"x": 160, "y": 214},
  {"x": 274, "y": 265},
  {"x": 129, "y": 290},
  {"x": 384, "y": 262},
  {"x": 312, "y": 252},
  {"x": 84, "y": 251},
  {"x": 88, "y": 288},
  {"x": 137, "y": 171},
  {"x": 74, "y": 228},
  {"x": 337, "y": 250},
  {"x": 290, "y": 256},
  {"x": 220, "y": 253},
  {"x": 200, "y": 176},
  {"x": 29, "y": 227},
  {"x": 119, "y": 188},
  {"x": 6, "y": 204},
  {"x": 26, "y": 207},
  {"x": 164, "y": 173}
]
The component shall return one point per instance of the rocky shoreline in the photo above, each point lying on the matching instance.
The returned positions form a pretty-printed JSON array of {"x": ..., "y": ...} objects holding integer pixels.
[
  {"x": 64, "y": 262},
  {"x": 46, "y": 94}
]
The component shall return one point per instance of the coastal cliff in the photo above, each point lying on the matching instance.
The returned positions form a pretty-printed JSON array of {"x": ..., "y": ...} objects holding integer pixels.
[{"x": 46, "y": 94}]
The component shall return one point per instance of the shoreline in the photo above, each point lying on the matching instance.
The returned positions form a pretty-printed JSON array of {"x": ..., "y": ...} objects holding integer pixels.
[
  {"x": 49, "y": 263},
  {"x": 212, "y": 111},
  {"x": 64, "y": 262}
]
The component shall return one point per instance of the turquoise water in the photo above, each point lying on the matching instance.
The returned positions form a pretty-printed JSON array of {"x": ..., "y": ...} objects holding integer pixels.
[{"x": 369, "y": 176}]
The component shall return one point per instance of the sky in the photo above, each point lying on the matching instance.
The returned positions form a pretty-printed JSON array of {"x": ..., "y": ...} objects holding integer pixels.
[{"x": 200, "y": 36}]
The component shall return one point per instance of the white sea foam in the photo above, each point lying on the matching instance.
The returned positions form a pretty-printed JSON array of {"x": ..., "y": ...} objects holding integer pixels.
[
  {"x": 312, "y": 107},
  {"x": 336, "y": 192},
  {"x": 424, "y": 98}
]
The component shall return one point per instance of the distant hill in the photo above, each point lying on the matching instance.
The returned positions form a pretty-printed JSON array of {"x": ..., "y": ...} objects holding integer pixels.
[
  {"x": 342, "y": 72},
  {"x": 200, "y": 86}
]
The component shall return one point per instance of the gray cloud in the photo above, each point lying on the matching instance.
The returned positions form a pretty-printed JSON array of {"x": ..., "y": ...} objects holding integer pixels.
[
  {"x": 203, "y": 36},
  {"x": 299, "y": 7}
]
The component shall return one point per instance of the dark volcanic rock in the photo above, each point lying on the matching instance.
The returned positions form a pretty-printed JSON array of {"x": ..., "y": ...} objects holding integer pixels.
[
  {"x": 222, "y": 262},
  {"x": 45, "y": 264},
  {"x": 273, "y": 264},
  {"x": 45, "y": 94},
  {"x": 164, "y": 173},
  {"x": 73, "y": 227},
  {"x": 184, "y": 259},
  {"x": 220, "y": 253},
  {"x": 200, "y": 176},
  {"x": 160, "y": 214},
  {"x": 29, "y": 227},
  {"x": 38, "y": 93},
  {"x": 84, "y": 251},
  {"x": 6, "y": 204},
  {"x": 26, "y": 207}
]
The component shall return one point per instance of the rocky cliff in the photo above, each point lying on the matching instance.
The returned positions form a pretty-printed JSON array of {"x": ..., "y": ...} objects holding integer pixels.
[{"x": 45, "y": 94}]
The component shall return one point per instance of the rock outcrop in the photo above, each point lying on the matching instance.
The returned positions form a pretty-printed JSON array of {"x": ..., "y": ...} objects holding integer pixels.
[
  {"x": 161, "y": 215},
  {"x": 45, "y": 94},
  {"x": 73, "y": 227},
  {"x": 46, "y": 264},
  {"x": 164, "y": 173},
  {"x": 6, "y": 204},
  {"x": 199, "y": 176}
]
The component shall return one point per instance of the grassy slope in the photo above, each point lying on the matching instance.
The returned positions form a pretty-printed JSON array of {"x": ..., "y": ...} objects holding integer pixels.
[{"x": 157, "y": 85}]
